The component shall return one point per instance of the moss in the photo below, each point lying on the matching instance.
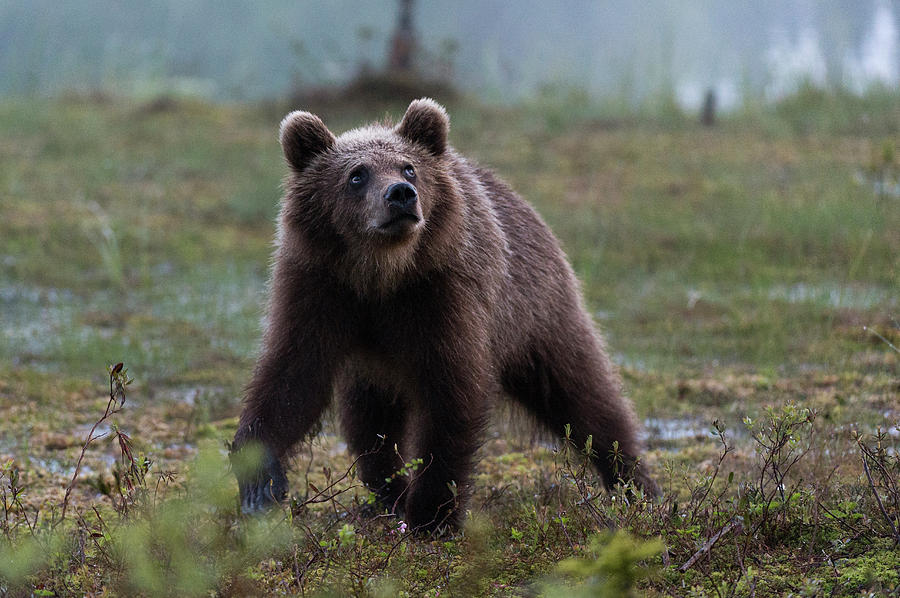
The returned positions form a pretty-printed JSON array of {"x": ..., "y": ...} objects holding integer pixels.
[{"x": 877, "y": 570}]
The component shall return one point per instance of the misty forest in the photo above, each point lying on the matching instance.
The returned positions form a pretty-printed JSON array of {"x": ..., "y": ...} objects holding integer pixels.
[{"x": 723, "y": 177}]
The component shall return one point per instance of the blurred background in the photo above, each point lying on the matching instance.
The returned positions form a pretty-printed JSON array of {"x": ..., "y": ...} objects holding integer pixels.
[{"x": 632, "y": 53}]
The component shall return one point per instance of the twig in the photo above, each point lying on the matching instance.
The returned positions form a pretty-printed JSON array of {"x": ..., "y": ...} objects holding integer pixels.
[
  {"x": 733, "y": 524},
  {"x": 31, "y": 526},
  {"x": 889, "y": 343},
  {"x": 113, "y": 406},
  {"x": 840, "y": 520},
  {"x": 720, "y": 432},
  {"x": 562, "y": 524},
  {"x": 387, "y": 558},
  {"x": 878, "y": 500},
  {"x": 886, "y": 478}
]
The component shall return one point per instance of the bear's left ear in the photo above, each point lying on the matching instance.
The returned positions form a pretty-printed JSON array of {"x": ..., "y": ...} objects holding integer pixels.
[
  {"x": 303, "y": 136},
  {"x": 426, "y": 122}
]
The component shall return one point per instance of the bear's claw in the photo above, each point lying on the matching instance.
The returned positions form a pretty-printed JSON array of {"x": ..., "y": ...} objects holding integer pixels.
[{"x": 263, "y": 486}]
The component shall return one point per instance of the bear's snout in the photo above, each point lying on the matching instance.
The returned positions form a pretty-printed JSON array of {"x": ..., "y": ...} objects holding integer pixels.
[
  {"x": 401, "y": 198},
  {"x": 400, "y": 213}
]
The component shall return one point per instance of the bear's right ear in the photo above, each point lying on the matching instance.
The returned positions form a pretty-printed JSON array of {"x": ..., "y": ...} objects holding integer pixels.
[{"x": 303, "y": 136}]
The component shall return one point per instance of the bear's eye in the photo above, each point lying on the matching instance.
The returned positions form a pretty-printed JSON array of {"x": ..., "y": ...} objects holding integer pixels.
[
  {"x": 409, "y": 172},
  {"x": 358, "y": 178}
]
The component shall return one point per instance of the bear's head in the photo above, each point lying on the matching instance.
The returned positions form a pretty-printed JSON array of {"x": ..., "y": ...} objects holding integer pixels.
[{"x": 373, "y": 190}]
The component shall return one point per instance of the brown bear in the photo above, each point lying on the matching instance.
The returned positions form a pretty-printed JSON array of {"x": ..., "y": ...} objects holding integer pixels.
[{"x": 416, "y": 287}]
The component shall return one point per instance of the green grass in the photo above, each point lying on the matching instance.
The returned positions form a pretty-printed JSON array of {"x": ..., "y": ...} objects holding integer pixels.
[{"x": 731, "y": 269}]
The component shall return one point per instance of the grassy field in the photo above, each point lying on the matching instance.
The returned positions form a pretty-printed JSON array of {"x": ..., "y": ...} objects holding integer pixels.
[{"x": 746, "y": 278}]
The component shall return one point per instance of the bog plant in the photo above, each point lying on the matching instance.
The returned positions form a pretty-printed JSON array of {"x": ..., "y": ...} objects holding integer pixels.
[
  {"x": 182, "y": 534},
  {"x": 613, "y": 567},
  {"x": 181, "y": 544}
]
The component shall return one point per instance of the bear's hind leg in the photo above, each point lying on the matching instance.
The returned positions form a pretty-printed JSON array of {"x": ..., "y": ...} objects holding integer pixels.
[
  {"x": 441, "y": 484},
  {"x": 574, "y": 383},
  {"x": 373, "y": 422}
]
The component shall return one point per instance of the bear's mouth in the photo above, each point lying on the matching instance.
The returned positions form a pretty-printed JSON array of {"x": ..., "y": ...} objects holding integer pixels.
[{"x": 400, "y": 224}]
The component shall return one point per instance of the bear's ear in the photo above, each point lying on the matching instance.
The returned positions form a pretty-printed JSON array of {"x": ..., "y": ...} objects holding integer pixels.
[
  {"x": 426, "y": 122},
  {"x": 303, "y": 136}
]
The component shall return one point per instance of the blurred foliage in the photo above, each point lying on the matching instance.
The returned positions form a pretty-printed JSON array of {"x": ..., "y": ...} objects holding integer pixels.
[{"x": 612, "y": 569}]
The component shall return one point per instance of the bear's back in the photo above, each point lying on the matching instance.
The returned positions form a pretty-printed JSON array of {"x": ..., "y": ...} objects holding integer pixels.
[{"x": 538, "y": 289}]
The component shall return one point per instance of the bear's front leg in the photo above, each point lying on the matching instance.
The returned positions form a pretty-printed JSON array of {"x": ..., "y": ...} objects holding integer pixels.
[
  {"x": 261, "y": 479},
  {"x": 291, "y": 385},
  {"x": 289, "y": 391}
]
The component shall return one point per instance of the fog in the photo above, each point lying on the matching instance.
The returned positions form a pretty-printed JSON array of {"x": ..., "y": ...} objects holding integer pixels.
[{"x": 496, "y": 50}]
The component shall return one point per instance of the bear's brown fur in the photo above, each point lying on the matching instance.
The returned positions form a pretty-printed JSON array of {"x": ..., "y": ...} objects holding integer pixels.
[{"x": 417, "y": 286}]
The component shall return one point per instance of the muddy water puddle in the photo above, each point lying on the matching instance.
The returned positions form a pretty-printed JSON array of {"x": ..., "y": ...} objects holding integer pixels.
[
  {"x": 851, "y": 296},
  {"x": 674, "y": 432},
  {"x": 43, "y": 326}
]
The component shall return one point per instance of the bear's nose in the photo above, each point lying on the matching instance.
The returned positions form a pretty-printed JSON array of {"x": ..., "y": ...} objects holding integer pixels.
[{"x": 401, "y": 195}]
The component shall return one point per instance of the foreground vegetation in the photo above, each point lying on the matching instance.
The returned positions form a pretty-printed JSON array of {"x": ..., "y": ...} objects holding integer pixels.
[{"x": 746, "y": 277}]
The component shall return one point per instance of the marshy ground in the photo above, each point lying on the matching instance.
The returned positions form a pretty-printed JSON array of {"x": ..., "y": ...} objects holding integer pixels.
[{"x": 742, "y": 274}]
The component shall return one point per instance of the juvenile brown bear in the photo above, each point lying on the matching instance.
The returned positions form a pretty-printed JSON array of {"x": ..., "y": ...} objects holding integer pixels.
[{"x": 417, "y": 287}]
